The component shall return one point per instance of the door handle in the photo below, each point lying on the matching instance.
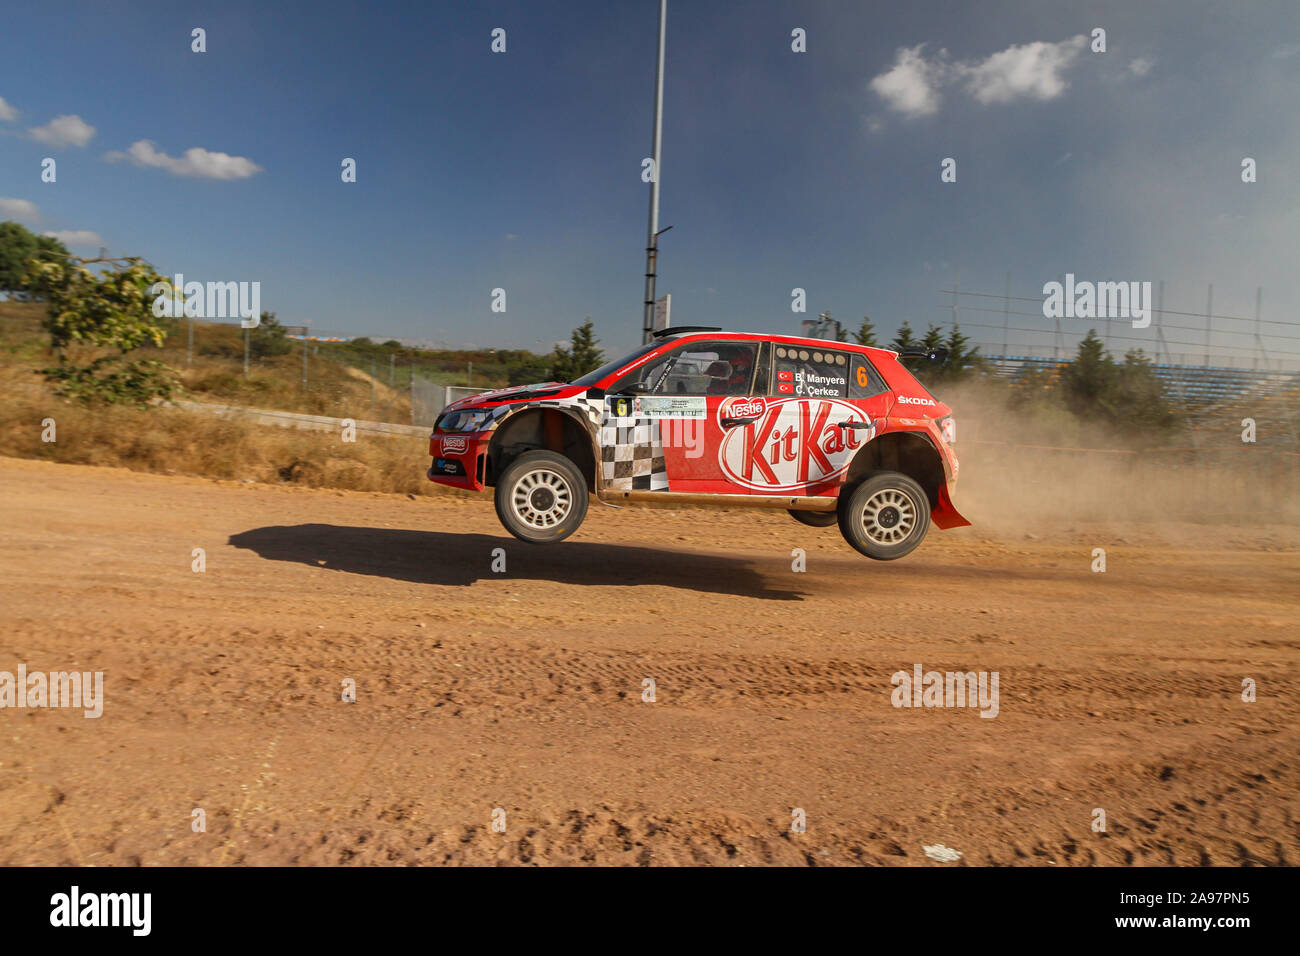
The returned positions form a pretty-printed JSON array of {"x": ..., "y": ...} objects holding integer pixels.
[
  {"x": 853, "y": 424},
  {"x": 733, "y": 422}
]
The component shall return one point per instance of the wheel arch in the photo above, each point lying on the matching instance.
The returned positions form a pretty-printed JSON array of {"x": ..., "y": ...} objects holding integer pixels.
[
  {"x": 555, "y": 428},
  {"x": 909, "y": 453}
]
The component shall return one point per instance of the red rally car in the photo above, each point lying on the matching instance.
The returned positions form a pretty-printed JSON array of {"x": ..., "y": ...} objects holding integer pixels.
[{"x": 829, "y": 431}]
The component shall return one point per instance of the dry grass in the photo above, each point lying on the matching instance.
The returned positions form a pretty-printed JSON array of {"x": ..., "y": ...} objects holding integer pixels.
[
  {"x": 175, "y": 441},
  {"x": 334, "y": 387}
]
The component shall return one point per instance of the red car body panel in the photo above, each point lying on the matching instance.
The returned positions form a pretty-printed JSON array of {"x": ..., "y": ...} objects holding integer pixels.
[{"x": 778, "y": 441}]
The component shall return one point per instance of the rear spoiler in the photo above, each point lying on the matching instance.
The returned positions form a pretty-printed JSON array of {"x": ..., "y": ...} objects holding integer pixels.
[{"x": 937, "y": 354}]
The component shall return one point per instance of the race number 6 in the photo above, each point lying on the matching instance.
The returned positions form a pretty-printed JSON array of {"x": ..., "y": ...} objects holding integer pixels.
[{"x": 862, "y": 376}]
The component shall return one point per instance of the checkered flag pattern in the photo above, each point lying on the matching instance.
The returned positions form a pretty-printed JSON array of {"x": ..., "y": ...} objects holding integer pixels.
[{"x": 631, "y": 456}]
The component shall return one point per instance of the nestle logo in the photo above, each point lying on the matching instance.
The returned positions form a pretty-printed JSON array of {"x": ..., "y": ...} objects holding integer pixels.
[
  {"x": 747, "y": 408},
  {"x": 453, "y": 444}
]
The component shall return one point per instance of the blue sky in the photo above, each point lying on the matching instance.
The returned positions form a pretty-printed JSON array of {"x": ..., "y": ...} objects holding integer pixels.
[{"x": 521, "y": 170}]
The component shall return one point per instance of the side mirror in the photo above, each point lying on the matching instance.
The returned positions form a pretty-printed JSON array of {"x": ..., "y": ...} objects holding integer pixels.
[{"x": 718, "y": 370}]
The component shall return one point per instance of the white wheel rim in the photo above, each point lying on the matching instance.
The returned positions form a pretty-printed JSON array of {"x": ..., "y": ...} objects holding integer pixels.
[
  {"x": 541, "y": 499},
  {"x": 888, "y": 517}
]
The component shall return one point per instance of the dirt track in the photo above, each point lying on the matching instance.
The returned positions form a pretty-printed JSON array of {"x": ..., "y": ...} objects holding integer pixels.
[{"x": 522, "y": 690}]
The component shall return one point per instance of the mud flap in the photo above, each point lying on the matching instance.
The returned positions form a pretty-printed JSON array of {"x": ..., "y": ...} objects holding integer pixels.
[{"x": 946, "y": 516}]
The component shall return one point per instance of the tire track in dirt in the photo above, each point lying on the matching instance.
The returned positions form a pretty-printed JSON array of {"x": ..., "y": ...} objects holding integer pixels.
[{"x": 523, "y": 691}]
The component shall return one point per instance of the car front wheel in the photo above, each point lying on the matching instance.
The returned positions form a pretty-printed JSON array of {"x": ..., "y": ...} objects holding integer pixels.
[
  {"x": 886, "y": 516},
  {"x": 541, "y": 497}
]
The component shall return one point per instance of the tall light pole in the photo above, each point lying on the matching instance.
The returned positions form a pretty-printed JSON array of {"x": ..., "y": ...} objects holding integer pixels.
[{"x": 652, "y": 242}]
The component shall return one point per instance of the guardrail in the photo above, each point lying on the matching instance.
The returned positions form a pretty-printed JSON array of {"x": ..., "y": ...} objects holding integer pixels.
[{"x": 321, "y": 423}]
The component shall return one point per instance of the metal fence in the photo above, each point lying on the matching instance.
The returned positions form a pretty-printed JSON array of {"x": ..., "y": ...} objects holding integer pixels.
[
  {"x": 429, "y": 398},
  {"x": 1173, "y": 338}
]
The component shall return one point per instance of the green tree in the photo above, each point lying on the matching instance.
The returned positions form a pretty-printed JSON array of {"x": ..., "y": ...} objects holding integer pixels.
[
  {"x": 962, "y": 359},
  {"x": 866, "y": 333},
  {"x": 90, "y": 314},
  {"x": 933, "y": 338},
  {"x": 269, "y": 338},
  {"x": 529, "y": 371},
  {"x": 581, "y": 357},
  {"x": 1087, "y": 382},
  {"x": 18, "y": 247},
  {"x": 904, "y": 339},
  {"x": 926, "y": 371},
  {"x": 1138, "y": 396}
]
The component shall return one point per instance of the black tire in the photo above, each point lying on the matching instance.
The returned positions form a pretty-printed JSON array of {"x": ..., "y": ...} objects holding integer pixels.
[
  {"x": 814, "y": 519},
  {"x": 542, "y": 497},
  {"x": 886, "y": 516}
]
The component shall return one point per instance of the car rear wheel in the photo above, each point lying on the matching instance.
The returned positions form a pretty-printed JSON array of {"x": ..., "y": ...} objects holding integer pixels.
[
  {"x": 886, "y": 516},
  {"x": 814, "y": 519},
  {"x": 541, "y": 497}
]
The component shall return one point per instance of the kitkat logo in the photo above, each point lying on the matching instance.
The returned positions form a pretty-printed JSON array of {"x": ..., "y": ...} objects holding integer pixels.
[
  {"x": 743, "y": 408},
  {"x": 453, "y": 445},
  {"x": 796, "y": 443}
]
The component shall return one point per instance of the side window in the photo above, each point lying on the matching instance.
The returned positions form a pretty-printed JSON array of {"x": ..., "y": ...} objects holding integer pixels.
[
  {"x": 698, "y": 368},
  {"x": 802, "y": 372},
  {"x": 865, "y": 381}
]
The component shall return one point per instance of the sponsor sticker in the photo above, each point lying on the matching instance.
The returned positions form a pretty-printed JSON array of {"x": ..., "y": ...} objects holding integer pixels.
[
  {"x": 669, "y": 406},
  {"x": 743, "y": 408},
  {"x": 795, "y": 443},
  {"x": 453, "y": 445}
]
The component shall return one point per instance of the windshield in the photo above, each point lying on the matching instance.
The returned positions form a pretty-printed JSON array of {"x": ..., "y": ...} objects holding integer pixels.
[{"x": 591, "y": 378}]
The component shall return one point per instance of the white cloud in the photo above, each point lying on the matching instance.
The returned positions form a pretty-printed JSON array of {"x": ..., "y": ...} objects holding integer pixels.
[
  {"x": 20, "y": 209},
  {"x": 911, "y": 85},
  {"x": 197, "y": 162},
  {"x": 7, "y": 112},
  {"x": 1140, "y": 67},
  {"x": 63, "y": 131},
  {"x": 1032, "y": 70},
  {"x": 75, "y": 237}
]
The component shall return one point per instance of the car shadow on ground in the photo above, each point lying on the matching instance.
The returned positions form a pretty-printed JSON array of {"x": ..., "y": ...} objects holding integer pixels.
[{"x": 440, "y": 557}]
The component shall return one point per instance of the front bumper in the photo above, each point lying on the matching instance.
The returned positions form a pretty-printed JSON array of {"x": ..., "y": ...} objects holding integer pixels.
[{"x": 458, "y": 461}]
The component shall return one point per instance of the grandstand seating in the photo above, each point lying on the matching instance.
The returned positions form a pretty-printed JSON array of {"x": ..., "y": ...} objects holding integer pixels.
[{"x": 1192, "y": 386}]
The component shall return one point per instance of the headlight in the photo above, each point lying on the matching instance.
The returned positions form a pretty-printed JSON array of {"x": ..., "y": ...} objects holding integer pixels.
[{"x": 465, "y": 421}]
